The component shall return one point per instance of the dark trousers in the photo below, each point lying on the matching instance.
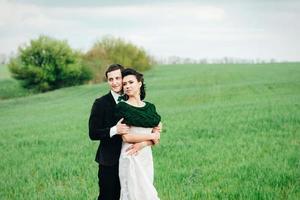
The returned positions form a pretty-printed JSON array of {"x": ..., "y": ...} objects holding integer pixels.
[{"x": 109, "y": 182}]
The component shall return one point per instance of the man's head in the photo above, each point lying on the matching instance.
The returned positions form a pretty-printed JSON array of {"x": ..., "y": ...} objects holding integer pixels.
[{"x": 114, "y": 77}]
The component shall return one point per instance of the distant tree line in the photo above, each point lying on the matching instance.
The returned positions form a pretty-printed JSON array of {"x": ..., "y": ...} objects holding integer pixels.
[
  {"x": 224, "y": 60},
  {"x": 47, "y": 63}
]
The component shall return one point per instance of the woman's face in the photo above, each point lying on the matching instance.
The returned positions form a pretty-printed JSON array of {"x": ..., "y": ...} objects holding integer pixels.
[{"x": 131, "y": 85}]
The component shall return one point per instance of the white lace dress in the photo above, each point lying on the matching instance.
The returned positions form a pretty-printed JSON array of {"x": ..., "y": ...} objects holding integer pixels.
[{"x": 136, "y": 171}]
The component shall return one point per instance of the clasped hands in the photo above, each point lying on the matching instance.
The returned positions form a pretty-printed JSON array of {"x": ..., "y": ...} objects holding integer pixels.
[{"x": 123, "y": 129}]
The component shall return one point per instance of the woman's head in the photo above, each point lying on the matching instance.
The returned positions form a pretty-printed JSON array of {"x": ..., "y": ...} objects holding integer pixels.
[{"x": 133, "y": 83}]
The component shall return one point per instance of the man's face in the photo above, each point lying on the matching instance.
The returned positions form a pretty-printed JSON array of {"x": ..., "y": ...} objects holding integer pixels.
[{"x": 114, "y": 80}]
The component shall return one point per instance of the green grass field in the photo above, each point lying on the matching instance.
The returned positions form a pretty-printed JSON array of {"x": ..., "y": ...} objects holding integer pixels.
[
  {"x": 230, "y": 132},
  {"x": 9, "y": 87}
]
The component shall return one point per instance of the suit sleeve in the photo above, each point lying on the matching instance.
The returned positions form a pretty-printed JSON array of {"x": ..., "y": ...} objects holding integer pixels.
[{"x": 97, "y": 131}]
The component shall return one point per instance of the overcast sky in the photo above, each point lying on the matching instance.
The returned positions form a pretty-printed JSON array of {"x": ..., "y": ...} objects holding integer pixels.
[{"x": 196, "y": 29}]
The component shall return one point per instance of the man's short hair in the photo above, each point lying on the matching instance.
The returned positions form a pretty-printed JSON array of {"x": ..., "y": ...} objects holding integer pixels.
[{"x": 113, "y": 67}]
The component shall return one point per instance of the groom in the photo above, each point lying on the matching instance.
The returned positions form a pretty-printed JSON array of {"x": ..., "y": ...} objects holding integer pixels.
[{"x": 104, "y": 126}]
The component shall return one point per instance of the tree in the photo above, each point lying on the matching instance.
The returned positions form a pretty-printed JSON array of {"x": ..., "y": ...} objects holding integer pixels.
[
  {"x": 116, "y": 50},
  {"x": 48, "y": 64}
]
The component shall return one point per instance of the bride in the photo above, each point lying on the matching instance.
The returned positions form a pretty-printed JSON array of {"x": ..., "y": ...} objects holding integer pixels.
[{"x": 136, "y": 170}]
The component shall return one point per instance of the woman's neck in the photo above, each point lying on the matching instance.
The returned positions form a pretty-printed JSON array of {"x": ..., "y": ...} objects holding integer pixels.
[{"x": 135, "y": 101}]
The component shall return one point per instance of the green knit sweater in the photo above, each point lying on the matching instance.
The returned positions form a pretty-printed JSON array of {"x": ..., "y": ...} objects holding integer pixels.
[{"x": 145, "y": 116}]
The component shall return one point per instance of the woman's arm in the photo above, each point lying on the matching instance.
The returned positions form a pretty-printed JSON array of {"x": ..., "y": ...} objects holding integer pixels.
[
  {"x": 136, "y": 147},
  {"x": 134, "y": 138}
]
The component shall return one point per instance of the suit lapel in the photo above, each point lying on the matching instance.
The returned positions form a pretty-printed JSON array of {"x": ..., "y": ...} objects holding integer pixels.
[{"x": 111, "y": 98}]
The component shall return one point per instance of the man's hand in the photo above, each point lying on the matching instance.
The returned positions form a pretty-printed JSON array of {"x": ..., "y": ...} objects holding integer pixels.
[
  {"x": 155, "y": 135},
  {"x": 135, "y": 148},
  {"x": 155, "y": 142},
  {"x": 157, "y": 128},
  {"x": 122, "y": 128},
  {"x": 156, "y": 138}
]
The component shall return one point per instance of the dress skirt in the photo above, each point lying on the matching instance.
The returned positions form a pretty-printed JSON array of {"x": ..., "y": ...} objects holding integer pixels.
[{"x": 136, "y": 171}]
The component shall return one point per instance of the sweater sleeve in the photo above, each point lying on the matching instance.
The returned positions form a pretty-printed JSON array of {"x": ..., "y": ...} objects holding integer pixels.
[{"x": 157, "y": 117}]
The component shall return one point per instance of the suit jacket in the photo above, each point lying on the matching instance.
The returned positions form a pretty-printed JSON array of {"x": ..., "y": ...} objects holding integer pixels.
[{"x": 102, "y": 118}]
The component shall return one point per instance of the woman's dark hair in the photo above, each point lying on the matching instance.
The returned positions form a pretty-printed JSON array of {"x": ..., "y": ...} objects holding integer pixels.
[
  {"x": 139, "y": 77},
  {"x": 113, "y": 67}
]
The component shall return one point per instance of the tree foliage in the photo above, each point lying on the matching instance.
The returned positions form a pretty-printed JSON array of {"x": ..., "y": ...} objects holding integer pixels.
[
  {"x": 116, "y": 50},
  {"x": 48, "y": 64}
]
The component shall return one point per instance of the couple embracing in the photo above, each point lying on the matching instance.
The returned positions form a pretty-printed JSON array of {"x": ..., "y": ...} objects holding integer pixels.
[{"x": 127, "y": 127}]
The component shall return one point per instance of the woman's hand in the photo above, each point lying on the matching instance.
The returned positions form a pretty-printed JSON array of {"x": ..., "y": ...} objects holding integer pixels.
[{"x": 135, "y": 148}]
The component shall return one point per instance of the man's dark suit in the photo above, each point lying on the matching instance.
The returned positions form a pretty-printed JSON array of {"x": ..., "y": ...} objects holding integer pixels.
[{"x": 102, "y": 118}]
